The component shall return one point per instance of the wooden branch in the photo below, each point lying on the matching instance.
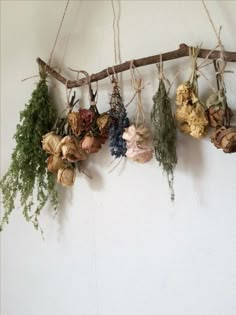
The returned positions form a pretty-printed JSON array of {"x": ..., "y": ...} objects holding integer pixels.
[{"x": 183, "y": 51}]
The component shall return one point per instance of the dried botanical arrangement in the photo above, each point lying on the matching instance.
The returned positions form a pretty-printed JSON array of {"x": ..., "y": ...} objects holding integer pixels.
[
  {"x": 190, "y": 111},
  {"x": 164, "y": 131},
  {"x": 138, "y": 136},
  {"x": 119, "y": 121},
  {"x": 27, "y": 174},
  {"x": 50, "y": 149}
]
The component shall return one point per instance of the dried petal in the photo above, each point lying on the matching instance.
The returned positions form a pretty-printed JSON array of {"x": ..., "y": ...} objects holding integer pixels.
[
  {"x": 66, "y": 176},
  {"x": 71, "y": 150},
  {"x": 50, "y": 143},
  {"x": 54, "y": 162},
  {"x": 74, "y": 122}
]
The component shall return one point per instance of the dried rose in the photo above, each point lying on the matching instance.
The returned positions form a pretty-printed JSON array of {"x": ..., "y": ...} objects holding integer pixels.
[
  {"x": 86, "y": 118},
  {"x": 103, "y": 122},
  {"x": 66, "y": 176},
  {"x": 71, "y": 150},
  {"x": 136, "y": 135},
  {"x": 74, "y": 122},
  {"x": 141, "y": 155},
  {"x": 51, "y": 142},
  {"x": 54, "y": 162},
  {"x": 87, "y": 142}
]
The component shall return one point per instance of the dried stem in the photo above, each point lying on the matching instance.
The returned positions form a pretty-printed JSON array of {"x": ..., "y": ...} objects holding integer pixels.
[{"x": 179, "y": 53}]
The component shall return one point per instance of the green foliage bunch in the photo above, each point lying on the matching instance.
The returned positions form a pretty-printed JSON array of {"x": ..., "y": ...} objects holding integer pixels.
[
  {"x": 164, "y": 133},
  {"x": 27, "y": 175}
]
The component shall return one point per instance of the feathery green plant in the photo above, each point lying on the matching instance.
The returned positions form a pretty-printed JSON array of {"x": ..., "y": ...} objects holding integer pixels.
[
  {"x": 164, "y": 134},
  {"x": 27, "y": 174}
]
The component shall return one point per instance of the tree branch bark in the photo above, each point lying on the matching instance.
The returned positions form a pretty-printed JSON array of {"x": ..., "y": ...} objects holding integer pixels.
[{"x": 181, "y": 52}]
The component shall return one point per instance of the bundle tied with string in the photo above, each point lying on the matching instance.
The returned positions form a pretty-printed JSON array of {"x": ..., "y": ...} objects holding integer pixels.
[
  {"x": 190, "y": 111},
  {"x": 164, "y": 130},
  {"x": 118, "y": 121},
  {"x": 219, "y": 113},
  {"x": 75, "y": 136},
  {"x": 137, "y": 135},
  {"x": 27, "y": 176}
]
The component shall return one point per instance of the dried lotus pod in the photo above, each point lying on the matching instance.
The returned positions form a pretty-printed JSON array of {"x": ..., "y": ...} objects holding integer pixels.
[
  {"x": 51, "y": 142},
  {"x": 218, "y": 109},
  {"x": 71, "y": 150},
  {"x": 54, "y": 162},
  {"x": 66, "y": 176},
  {"x": 225, "y": 138},
  {"x": 215, "y": 116}
]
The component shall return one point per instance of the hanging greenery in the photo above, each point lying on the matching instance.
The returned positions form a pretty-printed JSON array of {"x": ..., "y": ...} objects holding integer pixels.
[
  {"x": 164, "y": 133},
  {"x": 27, "y": 175}
]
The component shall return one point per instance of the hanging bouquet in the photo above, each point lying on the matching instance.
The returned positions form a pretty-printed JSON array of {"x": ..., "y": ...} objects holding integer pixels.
[
  {"x": 190, "y": 111},
  {"x": 74, "y": 138}
]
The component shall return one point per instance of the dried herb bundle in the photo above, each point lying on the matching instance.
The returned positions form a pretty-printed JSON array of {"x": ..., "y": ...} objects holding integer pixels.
[
  {"x": 27, "y": 174},
  {"x": 164, "y": 133},
  {"x": 119, "y": 121}
]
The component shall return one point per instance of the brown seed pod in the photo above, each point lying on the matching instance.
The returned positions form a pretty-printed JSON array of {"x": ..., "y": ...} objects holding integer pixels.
[{"x": 225, "y": 138}]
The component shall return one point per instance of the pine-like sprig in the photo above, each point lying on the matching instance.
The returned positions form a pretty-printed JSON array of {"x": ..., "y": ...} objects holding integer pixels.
[
  {"x": 164, "y": 133},
  {"x": 27, "y": 175}
]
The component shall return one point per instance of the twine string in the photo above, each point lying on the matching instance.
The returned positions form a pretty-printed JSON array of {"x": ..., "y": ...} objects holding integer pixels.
[{"x": 58, "y": 32}]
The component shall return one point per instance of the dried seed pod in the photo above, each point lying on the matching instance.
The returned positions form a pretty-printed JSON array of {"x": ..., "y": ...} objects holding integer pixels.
[
  {"x": 218, "y": 109},
  {"x": 225, "y": 138}
]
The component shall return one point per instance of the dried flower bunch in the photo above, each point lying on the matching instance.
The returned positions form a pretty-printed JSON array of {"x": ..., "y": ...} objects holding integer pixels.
[
  {"x": 76, "y": 136},
  {"x": 27, "y": 175},
  {"x": 190, "y": 111},
  {"x": 118, "y": 122},
  {"x": 220, "y": 114},
  {"x": 137, "y": 135}
]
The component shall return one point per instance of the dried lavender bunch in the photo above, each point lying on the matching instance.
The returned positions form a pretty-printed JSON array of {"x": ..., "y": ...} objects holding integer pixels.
[{"x": 119, "y": 121}]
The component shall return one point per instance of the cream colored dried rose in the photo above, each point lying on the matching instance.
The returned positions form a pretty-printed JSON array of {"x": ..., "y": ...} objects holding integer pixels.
[
  {"x": 71, "y": 150},
  {"x": 66, "y": 176},
  {"x": 141, "y": 155},
  {"x": 134, "y": 135},
  {"x": 54, "y": 162},
  {"x": 74, "y": 122},
  {"x": 51, "y": 142}
]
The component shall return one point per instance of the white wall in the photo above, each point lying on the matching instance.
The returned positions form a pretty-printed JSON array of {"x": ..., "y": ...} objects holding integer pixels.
[{"x": 118, "y": 246}]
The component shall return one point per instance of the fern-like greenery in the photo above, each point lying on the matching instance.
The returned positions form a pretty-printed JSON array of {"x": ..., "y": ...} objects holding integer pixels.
[
  {"x": 27, "y": 175},
  {"x": 164, "y": 134}
]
